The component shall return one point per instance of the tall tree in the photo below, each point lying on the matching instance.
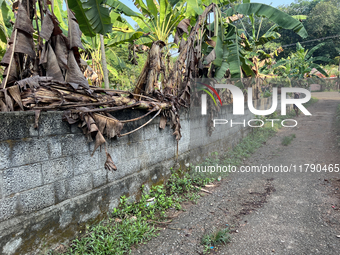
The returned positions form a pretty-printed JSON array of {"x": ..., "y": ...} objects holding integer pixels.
[{"x": 322, "y": 22}]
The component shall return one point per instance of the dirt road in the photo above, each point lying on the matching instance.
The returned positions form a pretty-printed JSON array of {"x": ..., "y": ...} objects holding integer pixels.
[{"x": 271, "y": 213}]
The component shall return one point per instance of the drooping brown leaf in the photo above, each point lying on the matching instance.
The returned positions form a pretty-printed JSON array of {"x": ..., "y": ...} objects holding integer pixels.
[
  {"x": 73, "y": 74},
  {"x": 43, "y": 57},
  {"x": 61, "y": 50},
  {"x": 3, "y": 106},
  {"x": 177, "y": 128},
  {"x": 70, "y": 117},
  {"x": 22, "y": 21},
  {"x": 50, "y": 26},
  {"x": 8, "y": 101},
  {"x": 12, "y": 75},
  {"x": 25, "y": 44},
  {"x": 211, "y": 43},
  {"x": 162, "y": 122},
  {"x": 91, "y": 124},
  {"x": 24, "y": 36},
  {"x": 182, "y": 28},
  {"x": 109, "y": 164},
  {"x": 52, "y": 66},
  {"x": 7, "y": 57},
  {"x": 99, "y": 141},
  {"x": 15, "y": 93},
  {"x": 74, "y": 33},
  {"x": 112, "y": 126},
  {"x": 211, "y": 57},
  {"x": 182, "y": 45},
  {"x": 47, "y": 27},
  {"x": 100, "y": 121}
]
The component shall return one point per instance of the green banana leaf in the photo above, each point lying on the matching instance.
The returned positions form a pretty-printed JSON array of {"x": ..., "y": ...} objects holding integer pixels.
[
  {"x": 118, "y": 6},
  {"x": 193, "y": 8},
  {"x": 3, "y": 17},
  {"x": 262, "y": 10},
  {"x": 267, "y": 37},
  {"x": 121, "y": 37},
  {"x": 310, "y": 53},
  {"x": 92, "y": 16},
  {"x": 58, "y": 12}
]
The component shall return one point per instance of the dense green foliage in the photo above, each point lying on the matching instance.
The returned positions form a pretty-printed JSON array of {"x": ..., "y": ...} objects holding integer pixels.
[{"x": 322, "y": 21}]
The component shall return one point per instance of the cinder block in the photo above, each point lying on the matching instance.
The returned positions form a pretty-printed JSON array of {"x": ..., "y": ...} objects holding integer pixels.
[
  {"x": 65, "y": 218},
  {"x": 157, "y": 157},
  {"x": 72, "y": 144},
  {"x": 183, "y": 147},
  {"x": 4, "y": 155},
  {"x": 149, "y": 132},
  {"x": 50, "y": 123},
  {"x": 53, "y": 146},
  {"x": 36, "y": 199},
  {"x": 99, "y": 177},
  {"x": 57, "y": 169},
  {"x": 22, "y": 178},
  {"x": 128, "y": 150},
  {"x": 8, "y": 208},
  {"x": 28, "y": 151},
  {"x": 1, "y": 185},
  {"x": 114, "y": 150},
  {"x": 170, "y": 152},
  {"x": 17, "y": 125},
  {"x": 135, "y": 137},
  {"x": 80, "y": 184},
  {"x": 127, "y": 168},
  {"x": 144, "y": 148},
  {"x": 118, "y": 141},
  {"x": 61, "y": 189},
  {"x": 84, "y": 163}
]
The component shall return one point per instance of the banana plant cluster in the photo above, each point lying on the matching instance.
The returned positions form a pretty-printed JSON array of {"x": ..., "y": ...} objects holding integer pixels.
[
  {"x": 227, "y": 50},
  {"x": 238, "y": 48},
  {"x": 296, "y": 69}
]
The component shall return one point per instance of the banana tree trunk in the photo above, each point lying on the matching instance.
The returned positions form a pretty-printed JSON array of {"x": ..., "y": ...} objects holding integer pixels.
[
  {"x": 104, "y": 64},
  {"x": 154, "y": 66}
]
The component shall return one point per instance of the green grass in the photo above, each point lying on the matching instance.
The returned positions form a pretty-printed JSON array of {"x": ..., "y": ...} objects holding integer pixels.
[
  {"x": 287, "y": 139},
  {"x": 210, "y": 241},
  {"x": 134, "y": 223},
  {"x": 110, "y": 237}
]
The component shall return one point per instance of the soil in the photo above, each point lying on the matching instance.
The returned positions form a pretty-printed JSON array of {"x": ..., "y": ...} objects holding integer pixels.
[{"x": 270, "y": 213}]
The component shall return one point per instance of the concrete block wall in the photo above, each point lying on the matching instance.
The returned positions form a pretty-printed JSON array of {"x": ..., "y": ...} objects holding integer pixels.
[{"x": 50, "y": 186}]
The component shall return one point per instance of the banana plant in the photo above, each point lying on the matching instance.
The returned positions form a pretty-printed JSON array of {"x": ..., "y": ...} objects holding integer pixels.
[
  {"x": 157, "y": 20},
  {"x": 238, "y": 43},
  {"x": 94, "y": 18},
  {"x": 92, "y": 15},
  {"x": 298, "y": 66}
]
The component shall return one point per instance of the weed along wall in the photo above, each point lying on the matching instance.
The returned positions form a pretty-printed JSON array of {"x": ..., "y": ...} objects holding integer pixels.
[{"x": 50, "y": 186}]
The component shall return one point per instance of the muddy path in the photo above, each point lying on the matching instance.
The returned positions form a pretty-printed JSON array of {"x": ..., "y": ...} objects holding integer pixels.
[{"x": 271, "y": 213}]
